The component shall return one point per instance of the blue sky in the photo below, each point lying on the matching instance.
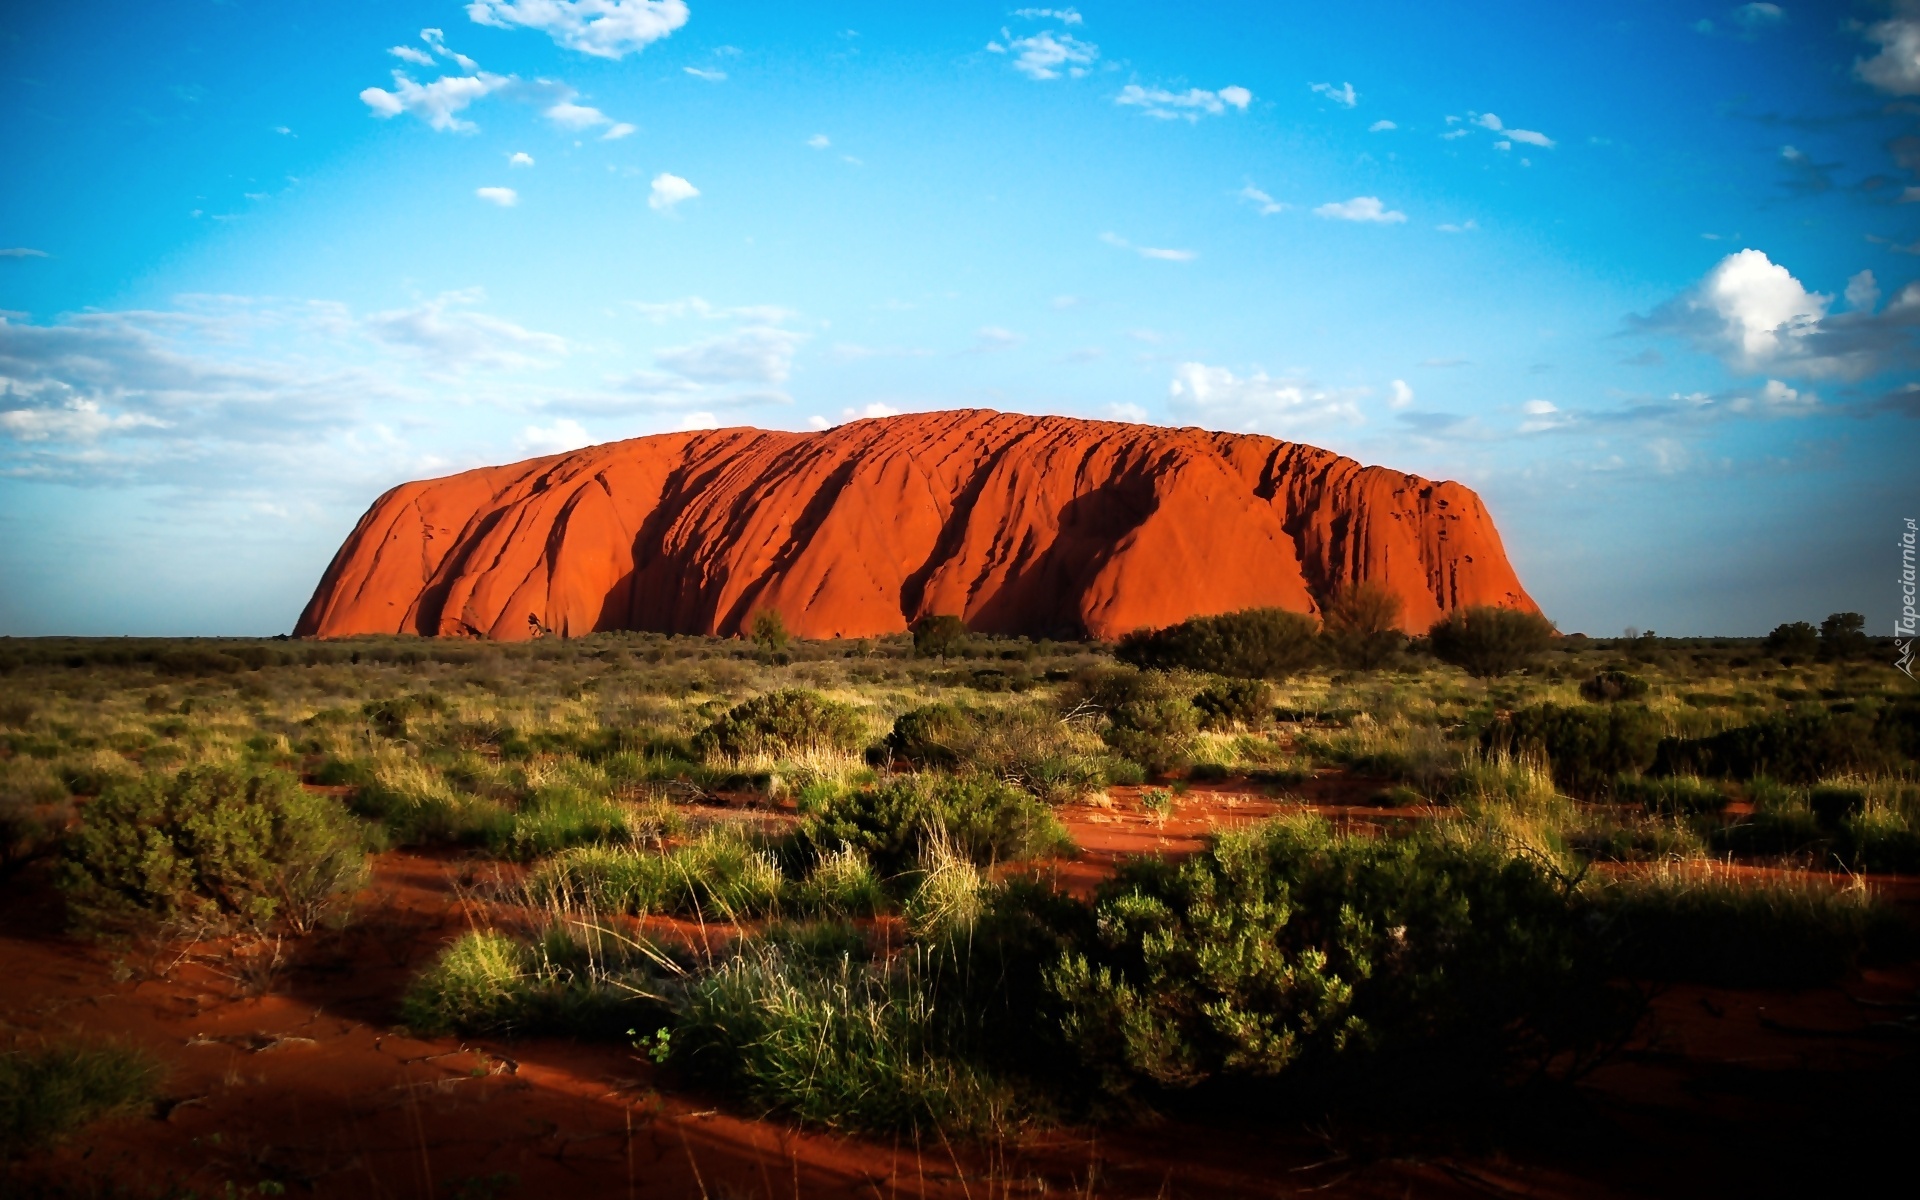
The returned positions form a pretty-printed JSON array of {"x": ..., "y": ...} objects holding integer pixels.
[{"x": 1636, "y": 271}]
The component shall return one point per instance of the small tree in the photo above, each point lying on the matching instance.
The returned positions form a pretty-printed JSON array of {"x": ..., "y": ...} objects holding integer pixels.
[
  {"x": 939, "y": 636},
  {"x": 1793, "y": 642},
  {"x": 1843, "y": 636},
  {"x": 1488, "y": 641},
  {"x": 1361, "y": 624},
  {"x": 1254, "y": 643},
  {"x": 769, "y": 630}
]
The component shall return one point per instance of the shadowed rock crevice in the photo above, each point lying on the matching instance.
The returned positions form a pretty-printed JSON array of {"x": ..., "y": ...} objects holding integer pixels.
[{"x": 1025, "y": 525}]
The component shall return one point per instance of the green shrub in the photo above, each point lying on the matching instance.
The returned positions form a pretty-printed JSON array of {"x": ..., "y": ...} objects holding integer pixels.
[
  {"x": 1672, "y": 795},
  {"x": 936, "y": 735},
  {"x": 1291, "y": 946},
  {"x": 1587, "y": 748},
  {"x": 1793, "y": 642},
  {"x": 1255, "y": 643},
  {"x": 479, "y": 983},
  {"x": 781, "y": 725},
  {"x": 211, "y": 845},
  {"x": 939, "y": 636},
  {"x": 1613, "y": 685},
  {"x": 561, "y": 815},
  {"x": 52, "y": 1091},
  {"x": 984, "y": 819},
  {"x": 1807, "y": 744},
  {"x": 1486, "y": 641},
  {"x": 723, "y": 874},
  {"x": 841, "y": 883},
  {"x": 841, "y": 1043},
  {"x": 770, "y": 630},
  {"x": 1706, "y": 926},
  {"x": 1231, "y": 703},
  {"x": 1149, "y": 720},
  {"x": 1360, "y": 625}
]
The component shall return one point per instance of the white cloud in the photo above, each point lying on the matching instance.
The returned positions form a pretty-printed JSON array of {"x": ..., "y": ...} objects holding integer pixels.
[
  {"x": 819, "y": 141},
  {"x": 695, "y": 306},
  {"x": 520, "y": 158},
  {"x": 436, "y": 103},
  {"x": 505, "y": 197},
  {"x": 1530, "y": 137},
  {"x": 1360, "y": 208},
  {"x": 1189, "y": 105},
  {"x": 620, "y": 129},
  {"x": 1265, "y": 204},
  {"x": 1776, "y": 399},
  {"x": 989, "y": 338},
  {"x": 1381, "y": 126},
  {"x": 73, "y": 420},
  {"x": 1756, "y": 316},
  {"x": 576, "y": 117},
  {"x": 1344, "y": 95},
  {"x": 1132, "y": 414},
  {"x": 1046, "y": 56},
  {"x": 436, "y": 39},
  {"x": 870, "y": 411},
  {"x": 447, "y": 333},
  {"x": 563, "y": 435},
  {"x": 706, "y": 73},
  {"x": 698, "y": 420},
  {"x": 22, "y": 252},
  {"x": 755, "y": 354},
  {"x": 818, "y": 423},
  {"x": 602, "y": 28},
  {"x": 419, "y": 58},
  {"x": 1257, "y": 401},
  {"x": 1066, "y": 16},
  {"x": 1462, "y": 227},
  {"x": 1758, "y": 16},
  {"x": 1896, "y": 69},
  {"x": 1402, "y": 394},
  {"x": 1451, "y": 134},
  {"x": 669, "y": 190},
  {"x": 1863, "y": 292},
  {"x": 1114, "y": 239}
]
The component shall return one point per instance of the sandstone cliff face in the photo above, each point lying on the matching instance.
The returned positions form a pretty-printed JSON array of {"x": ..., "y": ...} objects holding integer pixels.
[{"x": 1035, "y": 525}]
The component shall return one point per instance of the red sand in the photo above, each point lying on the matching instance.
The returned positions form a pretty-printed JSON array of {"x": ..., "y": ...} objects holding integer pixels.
[{"x": 1040, "y": 526}]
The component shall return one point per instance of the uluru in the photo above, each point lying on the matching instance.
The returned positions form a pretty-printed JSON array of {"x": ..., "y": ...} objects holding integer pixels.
[{"x": 1044, "y": 526}]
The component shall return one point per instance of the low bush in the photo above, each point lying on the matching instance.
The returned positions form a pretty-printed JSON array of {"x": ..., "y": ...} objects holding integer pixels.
[
  {"x": 1804, "y": 745},
  {"x": 211, "y": 845},
  {"x": 1714, "y": 926},
  {"x": 1672, "y": 795},
  {"x": 723, "y": 874},
  {"x": 561, "y": 815},
  {"x": 1586, "y": 747},
  {"x": 1613, "y": 685},
  {"x": 1486, "y": 641},
  {"x": 1235, "y": 703},
  {"x": 782, "y": 725},
  {"x": 939, "y": 636},
  {"x": 1149, "y": 720},
  {"x": 983, "y": 819},
  {"x": 49, "y": 1092},
  {"x": 1254, "y": 643},
  {"x": 488, "y": 981}
]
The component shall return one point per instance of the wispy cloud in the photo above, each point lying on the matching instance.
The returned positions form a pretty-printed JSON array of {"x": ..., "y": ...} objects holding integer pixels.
[
  {"x": 1258, "y": 401},
  {"x": 707, "y": 73},
  {"x": 1047, "y": 55},
  {"x": 1264, "y": 204},
  {"x": 1491, "y": 122},
  {"x": 22, "y": 252},
  {"x": 754, "y": 354},
  {"x": 1344, "y": 95},
  {"x": 1360, "y": 208},
  {"x": 1066, "y": 16},
  {"x": 1114, "y": 239},
  {"x": 438, "y": 103},
  {"x": 1189, "y": 105},
  {"x": 505, "y": 197}
]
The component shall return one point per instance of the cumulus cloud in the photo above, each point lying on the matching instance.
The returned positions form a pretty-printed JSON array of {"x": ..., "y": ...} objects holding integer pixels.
[
  {"x": 1156, "y": 252},
  {"x": 520, "y": 158},
  {"x": 602, "y": 28},
  {"x": 1264, "y": 204},
  {"x": 870, "y": 411},
  {"x": 1344, "y": 95},
  {"x": 438, "y": 103},
  {"x": 669, "y": 190},
  {"x": 1046, "y": 55},
  {"x": 1256, "y": 401},
  {"x": 754, "y": 354},
  {"x": 1756, "y": 316},
  {"x": 419, "y": 58},
  {"x": 1896, "y": 69},
  {"x": 1360, "y": 208},
  {"x": 1381, "y": 126},
  {"x": 505, "y": 197},
  {"x": 698, "y": 420},
  {"x": 1189, "y": 105},
  {"x": 1402, "y": 394},
  {"x": 563, "y": 435}
]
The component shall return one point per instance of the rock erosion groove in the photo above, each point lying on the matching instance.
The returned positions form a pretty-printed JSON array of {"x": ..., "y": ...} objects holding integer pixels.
[{"x": 1047, "y": 526}]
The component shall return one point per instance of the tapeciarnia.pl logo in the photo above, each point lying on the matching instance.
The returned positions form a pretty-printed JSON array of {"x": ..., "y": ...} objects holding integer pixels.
[{"x": 1903, "y": 625}]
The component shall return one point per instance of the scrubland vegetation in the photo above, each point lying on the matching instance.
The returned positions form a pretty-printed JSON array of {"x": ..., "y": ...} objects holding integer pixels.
[{"x": 817, "y": 875}]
